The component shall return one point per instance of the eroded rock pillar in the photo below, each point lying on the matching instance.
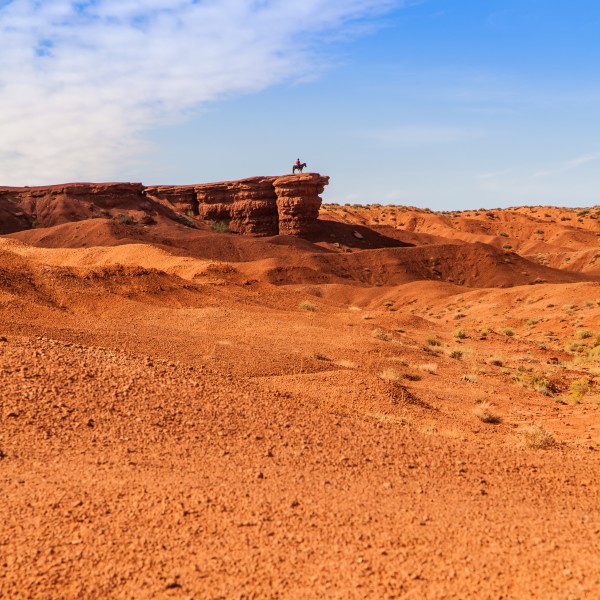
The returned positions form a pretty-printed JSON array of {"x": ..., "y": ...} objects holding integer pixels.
[{"x": 299, "y": 201}]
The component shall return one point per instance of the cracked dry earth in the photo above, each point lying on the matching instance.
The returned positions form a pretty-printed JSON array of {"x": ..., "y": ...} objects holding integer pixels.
[{"x": 170, "y": 436}]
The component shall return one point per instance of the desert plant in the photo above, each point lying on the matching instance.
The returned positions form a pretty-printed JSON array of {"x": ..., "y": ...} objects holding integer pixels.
[
  {"x": 390, "y": 375},
  {"x": 382, "y": 335},
  {"x": 219, "y": 226},
  {"x": 411, "y": 377},
  {"x": 579, "y": 388},
  {"x": 457, "y": 354},
  {"x": 536, "y": 382},
  {"x": 433, "y": 342},
  {"x": 584, "y": 334},
  {"x": 503, "y": 234},
  {"x": 307, "y": 306},
  {"x": 430, "y": 368},
  {"x": 125, "y": 219},
  {"x": 460, "y": 334},
  {"x": 469, "y": 378},
  {"x": 485, "y": 413},
  {"x": 537, "y": 436},
  {"x": 508, "y": 331}
]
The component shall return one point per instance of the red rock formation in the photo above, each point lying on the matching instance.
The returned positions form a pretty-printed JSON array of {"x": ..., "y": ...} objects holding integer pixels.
[
  {"x": 248, "y": 206},
  {"x": 298, "y": 202},
  {"x": 56, "y": 204},
  {"x": 254, "y": 206}
]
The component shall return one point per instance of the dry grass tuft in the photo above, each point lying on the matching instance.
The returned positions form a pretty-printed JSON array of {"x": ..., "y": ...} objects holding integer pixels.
[
  {"x": 382, "y": 335},
  {"x": 347, "y": 364},
  {"x": 537, "y": 436},
  {"x": 390, "y": 375},
  {"x": 429, "y": 368},
  {"x": 485, "y": 413},
  {"x": 307, "y": 306}
]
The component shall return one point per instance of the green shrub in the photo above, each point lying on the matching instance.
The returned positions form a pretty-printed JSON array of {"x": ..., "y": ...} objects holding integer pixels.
[
  {"x": 307, "y": 306},
  {"x": 185, "y": 221},
  {"x": 579, "y": 388},
  {"x": 219, "y": 226}
]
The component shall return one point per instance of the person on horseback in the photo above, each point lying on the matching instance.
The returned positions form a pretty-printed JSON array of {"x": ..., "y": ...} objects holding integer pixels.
[{"x": 298, "y": 166}]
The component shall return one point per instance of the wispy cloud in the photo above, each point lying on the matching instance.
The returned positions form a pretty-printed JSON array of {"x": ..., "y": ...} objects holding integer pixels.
[
  {"x": 418, "y": 135},
  {"x": 81, "y": 80},
  {"x": 567, "y": 165}
]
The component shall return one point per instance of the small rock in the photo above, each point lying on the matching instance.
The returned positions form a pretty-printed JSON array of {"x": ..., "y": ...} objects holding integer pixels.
[{"x": 357, "y": 235}]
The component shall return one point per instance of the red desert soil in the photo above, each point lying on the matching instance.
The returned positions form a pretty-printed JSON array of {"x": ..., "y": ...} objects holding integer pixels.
[{"x": 399, "y": 405}]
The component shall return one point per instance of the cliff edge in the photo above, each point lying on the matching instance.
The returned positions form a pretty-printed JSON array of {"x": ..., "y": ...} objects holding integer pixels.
[{"x": 259, "y": 206}]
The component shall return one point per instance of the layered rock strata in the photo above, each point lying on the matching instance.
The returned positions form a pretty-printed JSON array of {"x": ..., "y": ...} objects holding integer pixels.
[{"x": 255, "y": 206}]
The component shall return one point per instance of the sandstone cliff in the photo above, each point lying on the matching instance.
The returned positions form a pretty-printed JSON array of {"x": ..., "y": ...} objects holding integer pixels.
[{"x": 254, "y": 206}]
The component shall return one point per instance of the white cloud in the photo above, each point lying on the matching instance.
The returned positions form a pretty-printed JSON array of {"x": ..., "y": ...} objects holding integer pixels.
[
  {"x": 567, "y": 165},
  {"x": 81, "y": 80},
  {"x": 417, "y": 135}
]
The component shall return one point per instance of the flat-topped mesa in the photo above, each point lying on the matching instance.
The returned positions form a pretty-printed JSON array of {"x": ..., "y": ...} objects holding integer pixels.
[{"x": 259, "y": 206}]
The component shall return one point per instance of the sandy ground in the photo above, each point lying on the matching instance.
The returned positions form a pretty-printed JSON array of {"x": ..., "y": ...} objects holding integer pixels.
[{"x": 407, "y": 413}]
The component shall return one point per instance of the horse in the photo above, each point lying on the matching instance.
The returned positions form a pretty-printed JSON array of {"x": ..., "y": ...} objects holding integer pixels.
[{"x": 299, "y": 167}]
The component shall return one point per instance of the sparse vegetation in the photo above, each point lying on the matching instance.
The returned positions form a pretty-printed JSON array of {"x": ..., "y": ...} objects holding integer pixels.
[
  {"x": 390, "y": 375},
  {"x": 125, "y": 219},
  {"x": 457, "y": 354},
  {"x": 307, "y": 306},
  {"x": 430, "y": 368},
  {"x": 411, "y": 377},
  {"x": 470, "y": 378},
  {"x": 508, "y": 331},
  {"x": 460, "y": 334},
  {"x": 536, "y": 382},
  {"x": 485, "y": 413},
  {"x": 433, "y": 341},
  {"x": 537, "y": 436},
  {"x": 382, "y": 335},
  {"x": 579, "y": 388},
  {"x": 219, "y": 226}
]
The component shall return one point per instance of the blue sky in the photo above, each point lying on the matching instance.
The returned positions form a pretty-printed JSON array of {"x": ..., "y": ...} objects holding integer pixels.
[{"x": 446, "y": 104}]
